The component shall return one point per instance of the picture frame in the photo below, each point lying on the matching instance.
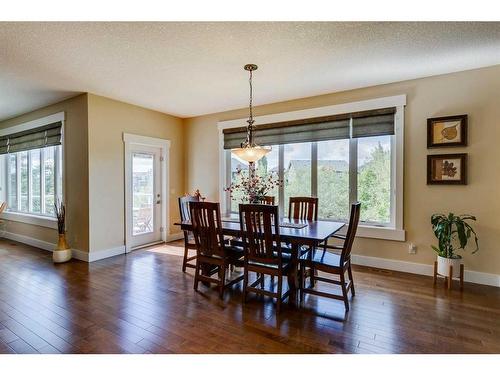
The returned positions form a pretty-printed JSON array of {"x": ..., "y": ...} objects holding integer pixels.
[
  {"x": 447, "y": 169},
  {"x": 447, "y": 131}
]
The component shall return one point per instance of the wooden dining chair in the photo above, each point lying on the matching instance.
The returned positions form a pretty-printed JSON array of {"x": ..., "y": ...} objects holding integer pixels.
[
  {"x": 267, "y": 199},
  {"x": 331, "y": 263},
  {"x": 263, "y": 251},
  {"x": 188, "y": 236},
  {"x": 303, "y": 208},
  {"x": 212, "y": 251}
]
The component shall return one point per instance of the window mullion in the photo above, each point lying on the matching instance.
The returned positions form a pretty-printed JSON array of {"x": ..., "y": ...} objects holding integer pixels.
[
  {"x": 42, "y": 181},
  {"x": 314, "y": 169},
  {"x": 56, "y": 175},
  {"x": 6, "y": 158},
  {"x": 18, "y": 181},
  {"x": 353, "y": 170},
  {"x": 30, "y": 180},
  {"x": 281, "y": 176}
]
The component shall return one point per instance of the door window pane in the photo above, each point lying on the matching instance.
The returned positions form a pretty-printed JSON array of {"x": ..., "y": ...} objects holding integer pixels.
[
  {"x": 35, "y": 181},
  {"x": 374, "y": 178},
  {"x": 333, "y": 179},
  {"x": 49, "y": 171},
  {"x": 12, "y": 175},
  {"x": 297, "y": 173},
  {"x": 143, "y": 193}
]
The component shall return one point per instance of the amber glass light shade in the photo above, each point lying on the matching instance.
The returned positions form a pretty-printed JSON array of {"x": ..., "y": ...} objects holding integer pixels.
[{"x": 251, "y": 154}]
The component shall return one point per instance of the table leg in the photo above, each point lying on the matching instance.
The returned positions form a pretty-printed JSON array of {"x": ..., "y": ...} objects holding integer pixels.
[{"x": 293, "y": 275}]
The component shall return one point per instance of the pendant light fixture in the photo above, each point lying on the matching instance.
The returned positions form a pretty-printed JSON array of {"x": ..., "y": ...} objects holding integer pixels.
[{"x": 249, "y": 150}]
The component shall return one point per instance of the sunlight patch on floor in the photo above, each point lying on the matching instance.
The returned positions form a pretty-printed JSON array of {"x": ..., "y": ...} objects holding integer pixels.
[{"x": 166, "y": 249}]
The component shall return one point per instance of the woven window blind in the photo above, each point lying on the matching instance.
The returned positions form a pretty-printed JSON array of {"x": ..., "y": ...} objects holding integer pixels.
[
  {"x": 364, "y": 124},
  {"x": 48, "y": 135}
]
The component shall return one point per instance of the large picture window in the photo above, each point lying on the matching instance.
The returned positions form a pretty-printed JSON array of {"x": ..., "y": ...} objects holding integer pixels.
[
  {"x": 340, "y": 154},
  {"x": 331, "y": 182},
  {"x": 31, "y": 161},
  {"x": 34, "y": 179}
]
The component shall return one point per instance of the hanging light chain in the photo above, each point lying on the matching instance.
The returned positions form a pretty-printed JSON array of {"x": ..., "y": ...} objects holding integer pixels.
[{"x": 251, "y": 97}]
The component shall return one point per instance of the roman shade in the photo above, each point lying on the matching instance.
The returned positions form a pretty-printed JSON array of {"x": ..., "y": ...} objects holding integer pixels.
[
  {"x": 373, "y": 123},
  {"x": 47, "y": 135},
  {"x": 364, "y": 124}
]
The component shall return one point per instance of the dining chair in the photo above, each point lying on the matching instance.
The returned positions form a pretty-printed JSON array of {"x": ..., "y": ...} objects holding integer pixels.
[
  {"x": 303, "y": 208},
  {"x": 332, "y": 263},
  {"x": 267, "y": 199},
  {"x": 263, "y": 251},
  {"x": 188, "y": 236},
  {"x": 212, "y": 251}
]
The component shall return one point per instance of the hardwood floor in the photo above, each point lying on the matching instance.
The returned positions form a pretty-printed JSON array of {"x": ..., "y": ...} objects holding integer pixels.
[{"x": 143, "y": 303}]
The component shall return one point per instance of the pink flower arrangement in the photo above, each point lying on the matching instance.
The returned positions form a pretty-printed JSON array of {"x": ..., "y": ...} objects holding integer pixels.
[{"x": 252, "y": 188}]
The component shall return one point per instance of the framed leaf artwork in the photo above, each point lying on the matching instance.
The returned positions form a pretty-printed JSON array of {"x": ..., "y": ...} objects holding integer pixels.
[
  {"x": 449, "y": 131},
  {"x": 447, "y": 169}
]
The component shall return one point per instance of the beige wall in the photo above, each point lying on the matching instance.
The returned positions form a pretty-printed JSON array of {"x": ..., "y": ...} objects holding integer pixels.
[
  {"x": 473, "y": 92},
  {"x": 108, "y": 120},
  {"x": 75, "y": 172}
]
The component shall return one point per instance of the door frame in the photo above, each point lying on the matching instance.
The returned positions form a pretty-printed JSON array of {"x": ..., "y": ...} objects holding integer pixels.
[{"x": 164, "y": 146}]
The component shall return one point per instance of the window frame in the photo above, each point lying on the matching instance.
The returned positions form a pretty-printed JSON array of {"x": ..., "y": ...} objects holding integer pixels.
[
  {"x": 391, "y": 231},
  {"x": 38, "y": 219}
]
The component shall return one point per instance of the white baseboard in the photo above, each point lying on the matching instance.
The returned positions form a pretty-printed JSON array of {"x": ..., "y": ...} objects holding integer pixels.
[
  {"x": 363, "y": 260},
  {"x": 106, "y": 253},
  {"x": 422, "y": 269},
  {"x": 29, "y": 241},
  {"x": 75, "y": 253}
]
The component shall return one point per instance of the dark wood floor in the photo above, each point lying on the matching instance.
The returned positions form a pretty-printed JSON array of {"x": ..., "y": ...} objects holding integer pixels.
[{"x": 143, "y": 303}]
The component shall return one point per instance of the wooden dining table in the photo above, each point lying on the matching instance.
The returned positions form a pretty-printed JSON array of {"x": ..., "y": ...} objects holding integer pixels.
[{"x": 312, "y": 234}]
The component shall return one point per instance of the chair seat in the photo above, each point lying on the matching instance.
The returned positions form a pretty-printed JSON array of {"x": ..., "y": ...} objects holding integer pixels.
[
  {"x": 285, "y": 257},
  {"x": 234, "y": 251},
  {"x": 324, "y": 258},
  {"x": 288, "y": 250}
]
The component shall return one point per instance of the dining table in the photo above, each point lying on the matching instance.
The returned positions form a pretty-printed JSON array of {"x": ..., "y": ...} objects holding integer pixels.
[{"x": 297, "y": 233}]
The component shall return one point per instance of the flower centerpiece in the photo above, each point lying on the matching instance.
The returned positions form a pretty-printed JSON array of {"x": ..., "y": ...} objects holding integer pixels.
[{"x": 249, "y": 187}]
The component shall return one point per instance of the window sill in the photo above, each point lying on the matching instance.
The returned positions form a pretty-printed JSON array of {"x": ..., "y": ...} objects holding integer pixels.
[
  {"x": 41, "y": 221},
  {"x": 382, "y": 233}
]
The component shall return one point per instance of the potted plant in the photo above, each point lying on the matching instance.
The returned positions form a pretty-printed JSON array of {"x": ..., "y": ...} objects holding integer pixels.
[
  {"x": 453, "y": 233},
  {"x": 62, "y": 253}
]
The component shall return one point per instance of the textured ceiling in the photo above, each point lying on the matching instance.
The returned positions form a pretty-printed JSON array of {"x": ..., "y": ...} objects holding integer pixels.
[{"x": 189, "y": 69}]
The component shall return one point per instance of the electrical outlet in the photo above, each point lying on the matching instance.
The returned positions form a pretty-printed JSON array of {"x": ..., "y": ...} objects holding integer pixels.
[{"x": 412, "y": 248}]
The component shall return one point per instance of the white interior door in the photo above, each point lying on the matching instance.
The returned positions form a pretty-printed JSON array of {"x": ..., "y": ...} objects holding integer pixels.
[{"x": 145, "y": 198}]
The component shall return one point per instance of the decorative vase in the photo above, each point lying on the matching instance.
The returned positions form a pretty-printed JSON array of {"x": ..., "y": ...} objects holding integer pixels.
[
  {"x": 62, "y": 253},
  {"x": 444, "y": 266}
]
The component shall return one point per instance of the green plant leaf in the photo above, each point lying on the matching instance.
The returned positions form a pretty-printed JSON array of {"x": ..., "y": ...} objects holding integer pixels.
[{"x": 462, "y": 237}]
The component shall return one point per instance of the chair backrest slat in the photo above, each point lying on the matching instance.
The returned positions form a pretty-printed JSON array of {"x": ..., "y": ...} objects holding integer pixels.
[
  {"x": 303, "y": 208},
  {"x": 207, "y": 228},
  {"x": 267, "y": 200},
  {"x": 351, "y": 231},
  {"x": 260, "y": 232},
  {"x": 184, "y": 206}
]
